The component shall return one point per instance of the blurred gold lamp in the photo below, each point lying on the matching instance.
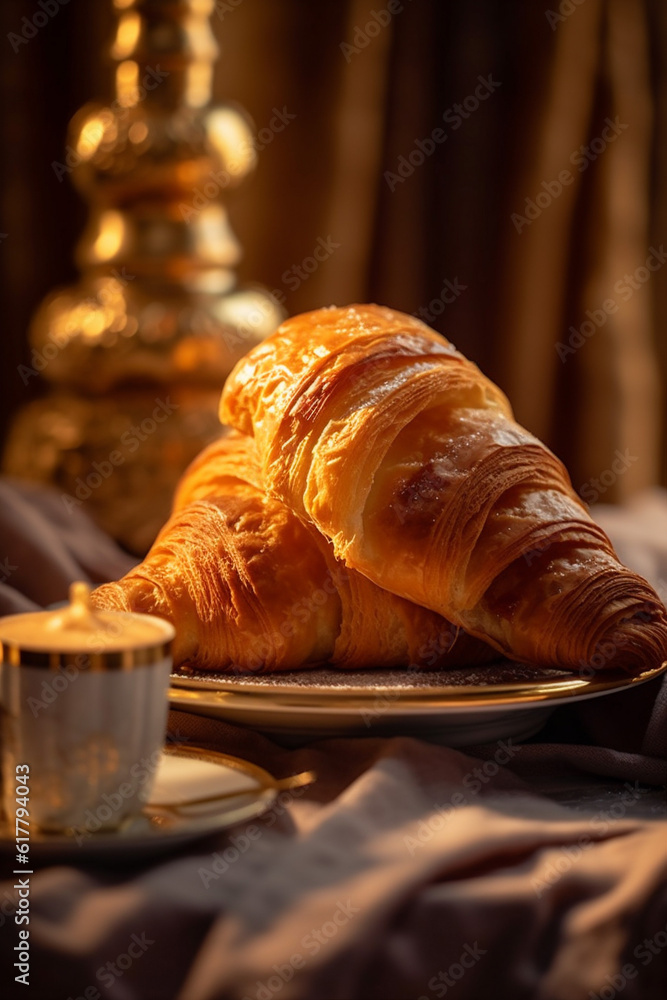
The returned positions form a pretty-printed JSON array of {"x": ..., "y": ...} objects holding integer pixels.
[{"x": 138, "y": 350}]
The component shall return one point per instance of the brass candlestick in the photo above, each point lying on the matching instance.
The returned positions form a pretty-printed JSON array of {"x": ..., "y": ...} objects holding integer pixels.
[{"x": 138, "y": 350}]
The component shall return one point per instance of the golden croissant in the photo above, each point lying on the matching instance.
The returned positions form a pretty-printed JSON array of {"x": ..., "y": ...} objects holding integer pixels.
[
  {"x": 248, "y": 587},
  {"x": 404, "y": 455}
]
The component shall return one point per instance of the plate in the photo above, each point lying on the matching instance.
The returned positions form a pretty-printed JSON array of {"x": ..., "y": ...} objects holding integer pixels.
[
  {"x": 239, "y": 791},
  {"x": 462, "y": 707}
]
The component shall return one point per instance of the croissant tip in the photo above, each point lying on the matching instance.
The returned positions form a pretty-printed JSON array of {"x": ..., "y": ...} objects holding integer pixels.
[{"x": 636, "y": 643}]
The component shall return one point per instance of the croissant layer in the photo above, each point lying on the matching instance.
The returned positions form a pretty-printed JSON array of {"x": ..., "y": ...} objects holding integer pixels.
[
  {"x": 250, "y": 587},
  {"x": 401, "y": 452}
]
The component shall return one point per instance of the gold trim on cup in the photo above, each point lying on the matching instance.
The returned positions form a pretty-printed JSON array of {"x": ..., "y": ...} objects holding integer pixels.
[
  {"x": 79, "y": 637},
  {"x": 123, "y": 659}
]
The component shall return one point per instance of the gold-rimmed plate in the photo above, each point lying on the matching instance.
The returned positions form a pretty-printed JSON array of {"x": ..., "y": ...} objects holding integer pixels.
[{"x": 461, "y": 707}]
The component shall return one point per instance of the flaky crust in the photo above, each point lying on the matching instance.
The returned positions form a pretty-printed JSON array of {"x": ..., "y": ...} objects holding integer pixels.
[
  {"x": 249, "y": 587},
  {"x": 402, "y": 453}
]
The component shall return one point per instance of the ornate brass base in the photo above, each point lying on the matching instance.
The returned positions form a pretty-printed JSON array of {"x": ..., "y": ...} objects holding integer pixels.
[
  {"x": 115, "y": 457},
  {"x": 137, "y": 352}
]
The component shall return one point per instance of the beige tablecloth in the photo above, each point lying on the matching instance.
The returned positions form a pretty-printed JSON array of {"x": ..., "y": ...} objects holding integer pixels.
[{"x": 409, "y": 871}]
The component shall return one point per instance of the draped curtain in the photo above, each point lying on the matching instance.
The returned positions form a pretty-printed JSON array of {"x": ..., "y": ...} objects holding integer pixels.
[{"x": 497, "y": 168}]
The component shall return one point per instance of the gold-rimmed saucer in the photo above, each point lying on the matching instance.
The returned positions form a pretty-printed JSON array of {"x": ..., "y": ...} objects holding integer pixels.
[{"x": 196, "y": 792}]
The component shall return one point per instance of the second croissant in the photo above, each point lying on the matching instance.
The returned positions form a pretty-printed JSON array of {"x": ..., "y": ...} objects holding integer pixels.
[{"x": 250, "y": 588}]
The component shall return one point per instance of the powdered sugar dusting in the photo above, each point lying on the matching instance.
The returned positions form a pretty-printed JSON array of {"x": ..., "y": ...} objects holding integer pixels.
[{"x": 324, "y": 679}]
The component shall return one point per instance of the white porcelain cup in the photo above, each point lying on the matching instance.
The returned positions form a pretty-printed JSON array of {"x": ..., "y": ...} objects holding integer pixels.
[{"x": 84, "y": 699}]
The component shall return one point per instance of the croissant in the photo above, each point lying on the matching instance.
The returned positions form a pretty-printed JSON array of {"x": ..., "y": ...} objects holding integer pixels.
[
  {"x": 249, "y": 587},
  {"x": 408, "y": 458}
]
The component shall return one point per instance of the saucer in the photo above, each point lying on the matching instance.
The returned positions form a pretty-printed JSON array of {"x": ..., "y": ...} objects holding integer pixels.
[{"x": 233, "y": 791}]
